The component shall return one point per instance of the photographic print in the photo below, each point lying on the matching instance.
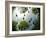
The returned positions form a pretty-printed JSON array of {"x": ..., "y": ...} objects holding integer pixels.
[{"x": 24, "y": 19}]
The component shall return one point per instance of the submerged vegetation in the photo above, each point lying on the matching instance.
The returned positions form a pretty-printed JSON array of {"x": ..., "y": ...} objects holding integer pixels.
[
  {"x": 23, "y": 25},
  {"x": 36, "y": 23},
  {"x": 35, "y": 10},
  {"x": 14, "y": 26}
]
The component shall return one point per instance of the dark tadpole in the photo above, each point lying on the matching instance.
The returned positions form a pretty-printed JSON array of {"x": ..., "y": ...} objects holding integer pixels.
[
  {"x": 28, "y": 11},
  {"x": 23, "y": 18},
  {"x": 24, "y": 14},
  {"x": 25, "y": 8},
  {"x": 29, "y": 21},
  {"x": 16, "y": 15},
  {"x": 33, "y": 22}
]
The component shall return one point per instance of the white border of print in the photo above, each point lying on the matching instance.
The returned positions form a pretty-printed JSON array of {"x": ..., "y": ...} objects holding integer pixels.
[{"x": 24, "y": 32}]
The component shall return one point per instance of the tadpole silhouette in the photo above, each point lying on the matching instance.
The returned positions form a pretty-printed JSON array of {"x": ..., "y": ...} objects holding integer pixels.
[
  {"x": 24, "y": 14},
  {"x": 23, "y": 18},
  {"x": 16, "y": 15},
  {"x": 30, "y": 20}
]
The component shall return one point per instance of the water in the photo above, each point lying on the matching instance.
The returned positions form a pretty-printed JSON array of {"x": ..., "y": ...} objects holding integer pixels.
[{"x": 29, "y": 16}]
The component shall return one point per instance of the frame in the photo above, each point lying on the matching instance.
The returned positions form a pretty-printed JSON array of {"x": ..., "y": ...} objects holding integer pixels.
[{"x": 8, "y": 18}]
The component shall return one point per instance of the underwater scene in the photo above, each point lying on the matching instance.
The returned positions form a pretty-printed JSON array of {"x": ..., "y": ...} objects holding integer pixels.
[{"x": 25, "y": 18}]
